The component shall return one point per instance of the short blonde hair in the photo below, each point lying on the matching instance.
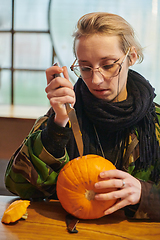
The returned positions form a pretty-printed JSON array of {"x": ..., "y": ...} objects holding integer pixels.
[{"x": 110, "y": 24}]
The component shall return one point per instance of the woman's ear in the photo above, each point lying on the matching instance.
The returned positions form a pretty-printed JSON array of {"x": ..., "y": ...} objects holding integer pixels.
[{"x": 132, "y": 56}]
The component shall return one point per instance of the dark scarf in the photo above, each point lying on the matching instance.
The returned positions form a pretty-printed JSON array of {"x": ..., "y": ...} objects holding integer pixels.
[{"x": 138, "y": 111}]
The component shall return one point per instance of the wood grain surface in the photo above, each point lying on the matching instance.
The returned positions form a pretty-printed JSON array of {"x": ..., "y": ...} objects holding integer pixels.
[{"x": 46, "y": 220}]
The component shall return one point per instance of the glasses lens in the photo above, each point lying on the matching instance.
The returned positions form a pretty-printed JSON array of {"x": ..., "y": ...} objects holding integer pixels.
[
  {"x": 83, "y": 71},
  {"x": 111, "y": 70},
  {"x": 77, "y": 71},
  {"x": 107, "y": 71}
]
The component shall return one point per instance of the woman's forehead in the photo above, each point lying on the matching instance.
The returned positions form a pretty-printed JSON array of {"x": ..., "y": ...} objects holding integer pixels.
[{"x": 102, "y": 45}]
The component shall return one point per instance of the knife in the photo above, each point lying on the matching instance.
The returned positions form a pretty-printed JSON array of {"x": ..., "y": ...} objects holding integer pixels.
[
  {"x": 74, "y": 123},
  {"x": 71, "y": 223},
  {"x": 75, "y": 127}
]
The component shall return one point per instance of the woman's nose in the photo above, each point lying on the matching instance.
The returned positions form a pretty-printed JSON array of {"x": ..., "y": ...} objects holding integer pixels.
[{"x": 97, "y": 77}]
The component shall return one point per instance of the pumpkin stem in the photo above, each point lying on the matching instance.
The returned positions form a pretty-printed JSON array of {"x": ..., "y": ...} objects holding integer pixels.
[{"x": 90, "y": 194}]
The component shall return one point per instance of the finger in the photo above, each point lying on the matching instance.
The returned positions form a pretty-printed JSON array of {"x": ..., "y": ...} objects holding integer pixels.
[
  {"x": 118, "y": 205},
  {"x": 61, "y": 93},
  {"x": 58, "y": 90},
  {"x": 65, "y": 72},
  {"x": 113, "y": 174},
  {"x": 122, "y": 193},
  {"x": 59, "y": 102},
  {"x": 111, "y": 183},
  {"x": 58, "y": 83},
  {"x": 51, "y": 71}
]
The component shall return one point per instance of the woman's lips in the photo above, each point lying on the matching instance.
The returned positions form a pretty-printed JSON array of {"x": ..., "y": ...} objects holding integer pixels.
[{"x": 101, "y": 90}]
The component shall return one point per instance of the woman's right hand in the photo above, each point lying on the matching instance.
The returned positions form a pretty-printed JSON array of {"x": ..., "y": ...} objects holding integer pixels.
[{"x": 59, "y": 91}]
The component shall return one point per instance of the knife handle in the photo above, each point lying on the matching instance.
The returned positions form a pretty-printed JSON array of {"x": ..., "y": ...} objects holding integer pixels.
[
  {"x": 57, "y": 74},
  {"x": 68, "y": 105}
]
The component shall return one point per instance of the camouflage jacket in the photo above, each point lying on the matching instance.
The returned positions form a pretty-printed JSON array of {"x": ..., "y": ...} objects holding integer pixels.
[{"x": 32, "y": 172}]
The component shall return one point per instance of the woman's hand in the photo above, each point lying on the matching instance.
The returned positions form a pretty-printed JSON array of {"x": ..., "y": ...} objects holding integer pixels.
[
  {"x": 128, "y": 189},
  {"x": 59, "y": 91}
]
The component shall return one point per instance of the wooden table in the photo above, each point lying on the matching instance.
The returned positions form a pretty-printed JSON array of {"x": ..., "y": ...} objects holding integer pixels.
[{"x": 46, "y": 220}]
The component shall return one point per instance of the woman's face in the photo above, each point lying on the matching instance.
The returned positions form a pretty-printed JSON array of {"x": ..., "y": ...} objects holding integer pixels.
[{"x": 98, "y": 50}]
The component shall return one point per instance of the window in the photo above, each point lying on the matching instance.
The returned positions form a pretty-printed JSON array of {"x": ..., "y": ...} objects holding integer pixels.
[
  {"x": 143, "y": 15},
  {"x": 27, "y": 39},
  {"x": 25, "y": 51}
]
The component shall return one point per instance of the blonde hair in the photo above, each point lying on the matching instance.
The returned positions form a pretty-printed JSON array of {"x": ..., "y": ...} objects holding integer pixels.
[{"x": 110, "y": 24}]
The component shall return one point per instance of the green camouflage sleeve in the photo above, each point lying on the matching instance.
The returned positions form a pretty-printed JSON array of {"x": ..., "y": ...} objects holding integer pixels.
[
  {"x": 32, "y": 171},
  {"x": 149, "y": 206}
]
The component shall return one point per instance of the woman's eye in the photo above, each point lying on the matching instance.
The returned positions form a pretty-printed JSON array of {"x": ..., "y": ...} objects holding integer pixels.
[
  {"x": 85, "y": 69},
  {"x": 105, "y": 67}
]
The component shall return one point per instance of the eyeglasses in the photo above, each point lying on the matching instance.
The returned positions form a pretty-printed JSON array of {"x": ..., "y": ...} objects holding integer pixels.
[{"x": 108, "y": 71}]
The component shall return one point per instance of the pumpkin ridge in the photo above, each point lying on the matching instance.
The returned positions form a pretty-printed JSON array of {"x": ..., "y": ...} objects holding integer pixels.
[
  {"x": 84, "y": 181},
  {"x": 87, "y": 172},
  {"x": 77, "y": 211},
  {"x": 87, "y": 163},
  {"x": 92, "y": 180},
  {"x": 71, "y": 204},
  {"x": 70, "y": 190},
  {"x": 65, "y": 173},
  {"x": 78, "y": 174},
  {"x": 89, "y": 210}
]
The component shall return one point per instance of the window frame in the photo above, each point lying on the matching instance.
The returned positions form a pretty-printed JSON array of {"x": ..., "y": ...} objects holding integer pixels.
[{"x": 12, "y": 31}]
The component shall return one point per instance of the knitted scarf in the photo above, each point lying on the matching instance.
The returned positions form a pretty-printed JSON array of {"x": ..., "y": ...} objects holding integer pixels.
[{"x": 136, "y": 112}]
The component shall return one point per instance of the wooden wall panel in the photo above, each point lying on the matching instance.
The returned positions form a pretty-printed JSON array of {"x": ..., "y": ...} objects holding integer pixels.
[{"x": 12, "y": 133}]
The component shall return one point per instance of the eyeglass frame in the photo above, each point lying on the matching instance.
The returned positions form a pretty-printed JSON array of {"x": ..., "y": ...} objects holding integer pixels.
[{"x": 120, "y": 65}]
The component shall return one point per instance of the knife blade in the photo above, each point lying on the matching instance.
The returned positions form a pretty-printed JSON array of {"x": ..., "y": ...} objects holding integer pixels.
[
  {"x": 75, "y": 127},
  {"x": 74, "y": 123}
]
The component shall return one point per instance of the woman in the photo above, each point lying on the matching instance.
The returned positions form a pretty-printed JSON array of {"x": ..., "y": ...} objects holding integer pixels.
[{"x": 117, "y": 117}]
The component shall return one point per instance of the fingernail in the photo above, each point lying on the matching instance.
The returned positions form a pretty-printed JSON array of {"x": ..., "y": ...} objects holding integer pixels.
[
  {"x": 60, "y": 70},
  {"x": 102, "y": 174},
  {"x": 96, "y": 185},
  {"x": 96, "y": 197}
]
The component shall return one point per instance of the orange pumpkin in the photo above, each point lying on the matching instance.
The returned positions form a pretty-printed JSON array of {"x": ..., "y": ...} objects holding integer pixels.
[
  {"x": 15, "y": 211},
  {"x": 75, "y": 186}
]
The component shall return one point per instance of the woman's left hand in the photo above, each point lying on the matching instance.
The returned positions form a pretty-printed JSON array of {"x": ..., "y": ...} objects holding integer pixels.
[{"x": 128, "y": 189}]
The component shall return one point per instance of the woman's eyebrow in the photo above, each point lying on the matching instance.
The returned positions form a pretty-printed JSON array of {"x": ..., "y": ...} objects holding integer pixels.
[
  {"x": 110, "y": 57},
  {"x": 113, "y": 58}
]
